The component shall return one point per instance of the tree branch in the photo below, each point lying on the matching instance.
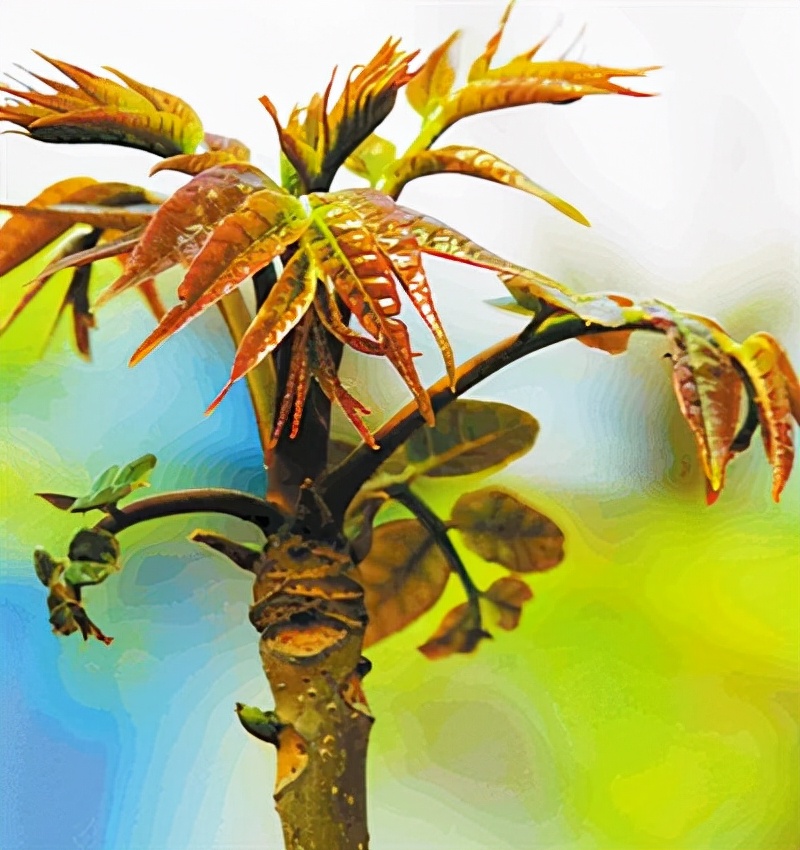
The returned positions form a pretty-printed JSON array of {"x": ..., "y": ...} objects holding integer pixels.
[
  {"x": 339, "y": 486},
  {"x": 209, "y": 500}
]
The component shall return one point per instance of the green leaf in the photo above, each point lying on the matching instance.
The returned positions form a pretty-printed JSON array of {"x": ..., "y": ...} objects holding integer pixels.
[
  {"x": 263, "y": 725},
  {"x": 79, "y": 573},
  {"x": 403, "y": 576},
  {"x": 503, "y": 529},
  {"x": 114, "y": 484},
  {"x": 470, "y": 436}
]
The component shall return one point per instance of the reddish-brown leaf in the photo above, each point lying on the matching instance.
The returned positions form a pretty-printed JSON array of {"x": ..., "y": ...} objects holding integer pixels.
[
  {"x": 184, "y": 221},
  {"x": 403, "y": 576},
  {"x": 707, "y": 387},
  {"x": 241, "y": 244},
  {"x": 102, "y": 217},
  {"x": 286, "y": 304},
  {"x": 502, "y": 528},
  {"x": 21, "y": 237},
  {"x": 507, "y": 595},
  {"x": 459, "y": 632}
]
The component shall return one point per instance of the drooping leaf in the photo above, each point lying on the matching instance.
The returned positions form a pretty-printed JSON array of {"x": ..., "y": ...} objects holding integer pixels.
[
  {"x": 770, "y": 375},
  {"x": 435, "y": 78},
  {"x": 68, "y": 616},
  {"x": 48, "y": 569},
  {"x": 115, "y": 483},
  {"x": 459, "y": 632},
  {"x": 507, "y": 595},
  {"x": 359, "y": 520},
  {"x": 476, "y": 163},
  {"x": 101, "y": 110},
  {"x": 371, "y": 157},
  {"x": 707, "y": 387},
  {"x": 285, "y": 305},
  {"x": 470, "y": 436},
  {"x": 323, "y": 368},
  {"x": 351, "y": 261},
  {"x": 403, "y": 576},
  {"x": 176, "y": 233},
  {"x": 505, "y": 530}
]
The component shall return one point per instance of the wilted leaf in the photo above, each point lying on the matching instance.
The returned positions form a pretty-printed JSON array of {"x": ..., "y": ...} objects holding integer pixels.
[
  {"x": 57, "y": 500},
  {"x": 403, "y": 576},
  {"x": 67, "y": 615},
  {"x": 435, "y": 78},
  {"x": 48, "y": 569},
  {"x": 95, "y": 545},
  {"x": 475, "y": 163},
  {"x": 507, "y": 595},
  {"x": 503, "y": 529},
  {"x": 471, "y": 436},
  {"x": 460, "y": 631},
  {"x": 359, "y": 519}
]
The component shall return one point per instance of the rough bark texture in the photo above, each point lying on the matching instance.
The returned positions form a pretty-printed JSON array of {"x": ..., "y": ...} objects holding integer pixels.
[{"x": 311, "y": 618}]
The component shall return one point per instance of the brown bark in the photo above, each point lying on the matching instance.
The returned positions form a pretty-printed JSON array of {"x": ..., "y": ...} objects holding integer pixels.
[{"x": 311, "y": 618}]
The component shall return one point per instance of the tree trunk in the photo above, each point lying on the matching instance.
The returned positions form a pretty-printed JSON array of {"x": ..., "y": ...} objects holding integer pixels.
[{"x": 311, "y": 617}]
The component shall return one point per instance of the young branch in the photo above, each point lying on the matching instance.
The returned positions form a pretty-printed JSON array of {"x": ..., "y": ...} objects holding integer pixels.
[
  {"x": 439, "y": 531},
  {"x": 210, "y": 500},
  {"x": 339, "y": 486},
  {"x": 261, "y": 380}
]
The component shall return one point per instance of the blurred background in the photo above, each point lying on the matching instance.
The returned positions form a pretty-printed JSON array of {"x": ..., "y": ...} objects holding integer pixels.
[{"x": 649, "y": 699}]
